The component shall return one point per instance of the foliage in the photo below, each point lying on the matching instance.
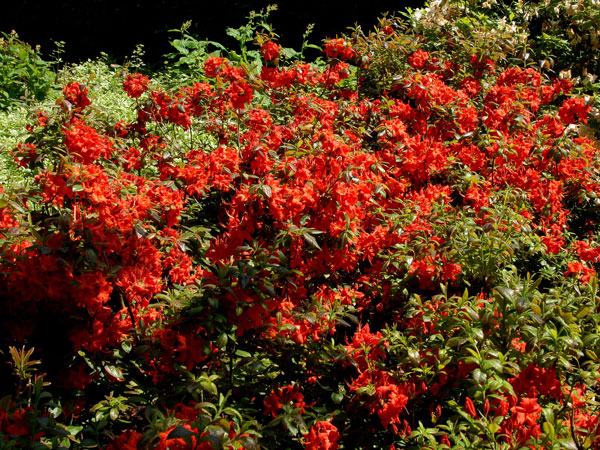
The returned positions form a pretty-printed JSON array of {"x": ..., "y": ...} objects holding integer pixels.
[
  {"x": 393, "y": 247},
  {"x": 24, "y": 75},
  {"x": 104, "y": 82},
  {"x": 12, "y": 130}
]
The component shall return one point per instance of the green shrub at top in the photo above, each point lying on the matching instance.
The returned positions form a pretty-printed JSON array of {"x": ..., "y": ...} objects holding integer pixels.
[{"x": 23, "y": 72}]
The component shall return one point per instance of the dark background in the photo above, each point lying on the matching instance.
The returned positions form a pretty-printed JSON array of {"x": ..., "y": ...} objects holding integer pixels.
[{"x": 92, "y": 26}]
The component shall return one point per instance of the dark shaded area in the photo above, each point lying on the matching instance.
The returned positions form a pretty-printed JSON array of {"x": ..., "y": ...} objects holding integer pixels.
[{"x": 116, "y": 27}]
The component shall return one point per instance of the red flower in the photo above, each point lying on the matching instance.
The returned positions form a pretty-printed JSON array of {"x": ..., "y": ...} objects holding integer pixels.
[
  {"x": 76, "y": 377},
  {"x": 135, "y": 85},
  {"x": 470, "y": 408},
  {"x": 214, "y": 65},
  {"x": 322, "y": 436},
  {"x": 390, "y": 398},
  {"x": 471, "y": 86},
  {"x": 171, "y": 109},
  {"x": 239, "y": 93},
  {"x": 536, "y": 380},
  {"x": 76, "y": 95},
  {"x": 179, "y": 443},
  {"x": 24, "y": 153},
  {"x": 481, "y": 65},
  {"x": 585, "y": 252},
  {"x": 518, "y": 345},
  {"x": 573, "y": 110},
  {"x": 85, "y": 144},
  {"x": 418, "y": 59},
  {"x": 526, "y": 412},
  {"x": 55, "y": 188},
  {"x": 450, "y": 271},
  {"x": 577, "y": 268},
  {"x": 16, "y": 425},
  {"x": 287, "y": 395},
  {"x": 574, "y": 267},
  {"x": 394, "y": 399},
  {"x": 425, "y": 272},
  {"x": 365, "y": 345},
  {"x": 126, "y": 441},
  {"x": 270, "y": 51},
  {"x": 388, "y": 30},
  {"x": 339, "y": 48}
]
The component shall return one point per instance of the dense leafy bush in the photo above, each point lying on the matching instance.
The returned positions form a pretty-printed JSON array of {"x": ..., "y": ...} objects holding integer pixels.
[
  {"x": 393, "y": 247},
  {"x": 24, "y": 75},
  {"x": 561, "y": 35},
  {"x": 12, "y": 131}
]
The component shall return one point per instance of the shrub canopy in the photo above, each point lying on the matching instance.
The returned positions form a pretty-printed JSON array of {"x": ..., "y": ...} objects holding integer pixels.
[{"x": 394, "y": 246}]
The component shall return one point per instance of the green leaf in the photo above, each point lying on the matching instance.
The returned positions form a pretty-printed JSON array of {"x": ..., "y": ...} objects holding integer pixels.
[
  {"x": 114, "y": 372},
  {"x": 337, "y": 398},
  {"x": 73, "y": 429},
  {"x": 311, "y": 240},
  {"x": 584, "y": 312},
  {"x": 222, "y": 341},
  {"x": 493, "y": 427},
  {"x": 567, "y": 444},
  {"x": 5, "y": 402},
  {"x": 126, "y": 346},
  {"x": 216, "y": 437},
  {"x": 180, "y": 432},
  {"x": 267, "y": 190},
  {"x": 91, "y": 257},
  {"x": 209, "y": 387},
  {"x": 44, "y": 421},
  {"x": 494, "y": 364},
  {"x": 233, "y": 32},
  {"x": 506, "y": 292},
  {"x": 548, "y": 430}
]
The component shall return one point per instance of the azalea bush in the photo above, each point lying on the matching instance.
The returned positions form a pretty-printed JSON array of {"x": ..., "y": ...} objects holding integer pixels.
[
  {"x": 395, "y": 246},
  {"x": 558, "y": 38}
]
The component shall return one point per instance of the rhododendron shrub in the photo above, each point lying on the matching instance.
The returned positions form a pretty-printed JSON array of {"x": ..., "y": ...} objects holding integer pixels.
[{"x": 344, "y": 254}]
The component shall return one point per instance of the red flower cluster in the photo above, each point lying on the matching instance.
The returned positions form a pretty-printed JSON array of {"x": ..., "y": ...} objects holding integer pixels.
[
  {"x": 287, "y": 395},
  {"x": 135, "y": 85},
  {"x": 322, "y": 436},
  {"x": 270, "y": 51},
  {"x": 418, "y": 59},
  {"x": 84, "y": 143},
  {"x": 291, "y": 237},
  {"x": 339, "y": 48},
  {"x": 76, "y": 95}
]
